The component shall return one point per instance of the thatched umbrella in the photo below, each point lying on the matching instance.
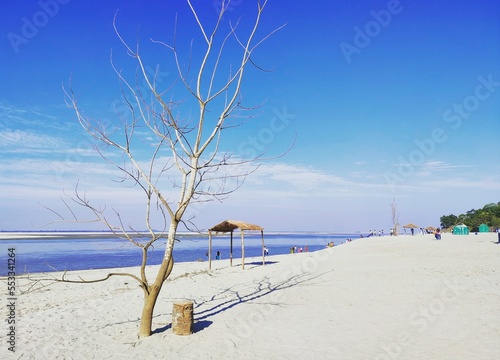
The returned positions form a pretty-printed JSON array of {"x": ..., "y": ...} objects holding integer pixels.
[
  {"x": 430, "y": 229},
  {"x": 229, "y": 226},
  {"x": 410, "y": 225}
]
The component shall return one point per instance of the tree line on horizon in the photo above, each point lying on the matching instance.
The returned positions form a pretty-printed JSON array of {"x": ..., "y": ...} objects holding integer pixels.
[{"x": 489, "y": 215}]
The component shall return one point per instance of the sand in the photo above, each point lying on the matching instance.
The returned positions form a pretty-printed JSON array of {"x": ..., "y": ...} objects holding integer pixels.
[{"x": 378, "y": 298}]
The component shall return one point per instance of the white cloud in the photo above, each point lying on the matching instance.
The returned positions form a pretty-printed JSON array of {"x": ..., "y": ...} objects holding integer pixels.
[
  {"x": 432, "y": 167},
  {"x": 358, "y": 174},
  {"x": 278, "y": 187},
  {"x": 19, "y": 141},
  {"x": 34, "y": 132},
  {"x": 14, "y": 116},
  {"x": 488, "y": 183}
]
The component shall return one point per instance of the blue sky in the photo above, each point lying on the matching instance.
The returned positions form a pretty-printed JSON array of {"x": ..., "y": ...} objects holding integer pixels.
[{"x": 386, "y": 99}]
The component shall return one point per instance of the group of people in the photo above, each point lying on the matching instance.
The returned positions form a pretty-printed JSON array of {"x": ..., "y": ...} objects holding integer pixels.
[
  {"x": 375, "y": 233},
  {"x": 412, "y": 231},
  {"x": 218, "y": 254},
  {"x": 295, "y": 249},
  {"x": 392, "y": 232}
]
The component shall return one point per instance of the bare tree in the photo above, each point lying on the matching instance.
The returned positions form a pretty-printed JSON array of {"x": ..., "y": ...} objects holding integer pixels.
[
  {"x": 395, "y": 217},
  {"x": 193, "y": 142}
]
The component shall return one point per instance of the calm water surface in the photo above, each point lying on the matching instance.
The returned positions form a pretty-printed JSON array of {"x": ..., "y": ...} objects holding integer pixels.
[{"x": 47, "y": 255}]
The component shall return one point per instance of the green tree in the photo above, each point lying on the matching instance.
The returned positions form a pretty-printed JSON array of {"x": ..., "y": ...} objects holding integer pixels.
[
  {"x": 489, "y": 215},
  {"x": 448, "y": 220},
  {"x": 493, "y": 209}
]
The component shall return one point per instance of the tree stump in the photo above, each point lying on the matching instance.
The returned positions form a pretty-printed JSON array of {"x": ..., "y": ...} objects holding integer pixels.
[{"x": 182, "y": 318}]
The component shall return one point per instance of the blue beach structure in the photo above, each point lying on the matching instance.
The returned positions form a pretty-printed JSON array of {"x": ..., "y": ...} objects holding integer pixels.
[
  {"x": 461, "y": 230},
  {"x": 484, "y": 228}
]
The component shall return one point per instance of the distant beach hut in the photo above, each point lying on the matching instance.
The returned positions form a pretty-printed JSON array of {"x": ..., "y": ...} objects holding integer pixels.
[
  {"x": 461, "y": 230},
  {"x": 484, "y": 228},
  {"x": 411, "y": 226},
  {"x": 430, "y": 229},
  {"x": 228, "y": 226}
]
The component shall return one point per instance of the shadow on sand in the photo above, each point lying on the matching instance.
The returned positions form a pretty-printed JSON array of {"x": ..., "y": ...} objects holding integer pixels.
[
  {"x": 252, "y": 292},
  {"x": 242, "y": 293},
  {"x": 197, "y": 327}
]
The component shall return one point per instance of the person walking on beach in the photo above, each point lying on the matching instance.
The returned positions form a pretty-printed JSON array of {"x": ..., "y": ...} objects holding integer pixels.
[{"x": 218, "y": 255}]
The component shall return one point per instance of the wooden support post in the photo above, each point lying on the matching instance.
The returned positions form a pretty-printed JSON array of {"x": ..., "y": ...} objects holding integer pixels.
[
  {"x": 231, "y": 251},
  {"x": 209, "y": 250},
  {"x": 263, "y": 246},
  {"x": 182, "y": 318},
  {"x": 242, "y": 249}
]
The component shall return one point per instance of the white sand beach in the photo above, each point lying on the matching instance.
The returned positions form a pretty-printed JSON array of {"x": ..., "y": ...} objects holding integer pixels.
[{"x": 377, "y": 298}]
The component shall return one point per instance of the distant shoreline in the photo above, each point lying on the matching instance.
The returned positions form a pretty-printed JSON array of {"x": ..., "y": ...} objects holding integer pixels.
[
  {"x": 81, "y": 234},
  {"x": 31, "y": 235},
  {"x": 65, "y": 235}
]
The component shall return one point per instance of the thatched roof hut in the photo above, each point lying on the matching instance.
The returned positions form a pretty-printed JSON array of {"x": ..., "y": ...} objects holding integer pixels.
[
  {"x": 228, "y": 226},
  {"x": 231, "y": 225},
  {"x": 410, "y": 226}
]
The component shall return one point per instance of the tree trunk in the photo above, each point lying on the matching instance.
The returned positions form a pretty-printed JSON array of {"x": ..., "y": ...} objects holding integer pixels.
[{"x": 146, "y": 325}]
